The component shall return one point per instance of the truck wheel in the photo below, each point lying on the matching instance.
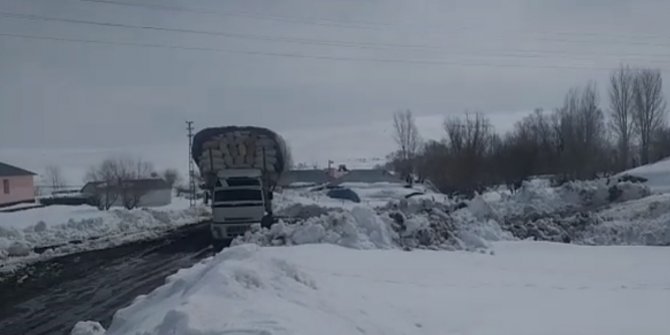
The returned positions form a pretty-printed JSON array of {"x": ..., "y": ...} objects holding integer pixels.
[
  {"x": 267, "y": 221},
  {"x": 218, "y": 244}
]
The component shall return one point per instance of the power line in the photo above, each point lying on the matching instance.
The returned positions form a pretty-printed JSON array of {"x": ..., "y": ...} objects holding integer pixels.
[
  {"x": 351, "y": 24},
  {"x": 319, "y": 22},
  {"x": 216, "y": 33},
  {"x": 303, "y": 56},
  {"x": 333, "y": 43}
]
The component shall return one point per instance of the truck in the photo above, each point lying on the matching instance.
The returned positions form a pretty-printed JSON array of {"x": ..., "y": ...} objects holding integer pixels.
[{"x": 240, "y": 168}]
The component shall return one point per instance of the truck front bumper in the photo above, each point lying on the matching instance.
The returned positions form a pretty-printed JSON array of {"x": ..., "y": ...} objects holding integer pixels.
[{"x": 227, "y": 231}]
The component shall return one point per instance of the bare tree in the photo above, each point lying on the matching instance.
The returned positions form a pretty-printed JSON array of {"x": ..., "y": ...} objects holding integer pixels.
[
  {"x": 649, "y": 108},
  {"x": 104, "y": 181},
  {"x": 54, "y": 177},
  {"x": 116, "y": 179},
  {"x": 469, "y": 141},
  {"x": 130, "y": 172},
  {"x": 580, "y": 129},
  {"x": 406, "y": 136},
  {"x": 621, "y": 102}
]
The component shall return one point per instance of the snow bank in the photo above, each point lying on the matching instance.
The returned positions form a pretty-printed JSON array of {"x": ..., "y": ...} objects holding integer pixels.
[
  {"x": 408, "y": 223},
  {"x": 371, "y": 195},
  {"x": 640, "y": 222},
  {"x": 67, "y": 229},
  {"x": 88, "y": 328},
  {"x": 359, "y": 228},
  {"x": 525, "y": 289},
  {"x": 570, "y": 213},
  {"x": 657, "y": 175},
  {"x": 536, "y": 198},
  {"x": 588, "y": 212},
  {"x": 243, "y": 274}
]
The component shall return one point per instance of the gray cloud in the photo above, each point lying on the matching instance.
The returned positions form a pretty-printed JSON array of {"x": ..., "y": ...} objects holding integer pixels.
[{"x": 503, "y": 56}]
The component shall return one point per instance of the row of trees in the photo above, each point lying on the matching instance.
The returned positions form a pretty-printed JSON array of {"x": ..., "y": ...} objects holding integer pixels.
[
  {"x": 115, "y": 177},
  {"x": 576, "y": 141}
]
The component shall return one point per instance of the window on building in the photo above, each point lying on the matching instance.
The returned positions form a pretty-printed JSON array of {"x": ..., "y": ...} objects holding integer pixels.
[{"x": 5, "y": 186}]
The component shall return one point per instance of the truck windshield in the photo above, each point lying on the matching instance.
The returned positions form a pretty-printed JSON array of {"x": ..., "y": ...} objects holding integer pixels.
[
  {"x": 242, "y": 181},
  {"x": 238, "y": 195}
]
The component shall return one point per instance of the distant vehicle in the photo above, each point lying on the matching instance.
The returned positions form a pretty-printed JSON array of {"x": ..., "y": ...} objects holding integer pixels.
[
  {"x": 344, "y": 194},
  {"x": 241, "y": 167}
]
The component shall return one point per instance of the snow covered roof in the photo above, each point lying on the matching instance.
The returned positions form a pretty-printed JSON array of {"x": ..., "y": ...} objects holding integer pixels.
[{"x": 7, "y": 170}]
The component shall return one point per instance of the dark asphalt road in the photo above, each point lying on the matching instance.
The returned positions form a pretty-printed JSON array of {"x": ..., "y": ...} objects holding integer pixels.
[{"x": 93, "y": 285}]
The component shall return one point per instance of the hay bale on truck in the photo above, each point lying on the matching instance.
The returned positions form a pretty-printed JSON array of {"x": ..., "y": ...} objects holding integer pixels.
[{"x": 241, "y": 167}]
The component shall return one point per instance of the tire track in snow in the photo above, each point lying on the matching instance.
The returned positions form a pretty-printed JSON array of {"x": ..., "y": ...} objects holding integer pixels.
[{"x": 50, "y": 297}]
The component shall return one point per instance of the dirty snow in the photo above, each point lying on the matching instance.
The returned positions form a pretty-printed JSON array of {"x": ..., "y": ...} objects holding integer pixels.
[
  {"x": 526, "y": 288},
  {"x": 576, "y": 212},
  {"x": 537, "y": 197},
  {"x": 371, "y": 194},
  {"x": 417, "y": 222},
  {"x": 69, "y": 229},
  {"x": 639, "y": 222},
  {"x": 584, "y": 212}
]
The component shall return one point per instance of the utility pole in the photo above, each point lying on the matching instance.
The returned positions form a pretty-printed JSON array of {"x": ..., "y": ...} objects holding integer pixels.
[{"x": 191, "y": 166}]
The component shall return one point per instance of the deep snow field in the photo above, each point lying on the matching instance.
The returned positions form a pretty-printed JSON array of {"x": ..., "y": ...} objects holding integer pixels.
[
  {"x": 430, "y": 265},
  {"x": 525, "y": 288}
]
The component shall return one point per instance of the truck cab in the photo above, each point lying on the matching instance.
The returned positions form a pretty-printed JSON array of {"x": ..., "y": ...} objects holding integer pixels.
[{"x": 239, "y": 199}]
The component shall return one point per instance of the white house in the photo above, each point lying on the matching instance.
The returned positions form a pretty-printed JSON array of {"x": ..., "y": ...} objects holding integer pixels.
[{"x": 153, "y": 192}]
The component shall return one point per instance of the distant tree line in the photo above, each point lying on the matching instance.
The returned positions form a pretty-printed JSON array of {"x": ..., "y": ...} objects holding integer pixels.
[{"x": 579, "y": 140}]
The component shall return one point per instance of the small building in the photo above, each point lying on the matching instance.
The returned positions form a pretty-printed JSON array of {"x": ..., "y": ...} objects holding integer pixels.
[
  {"x": 16, "y": 185},
  {"x": 297, "y": 178},
  {"x": 152, "y": 192}
]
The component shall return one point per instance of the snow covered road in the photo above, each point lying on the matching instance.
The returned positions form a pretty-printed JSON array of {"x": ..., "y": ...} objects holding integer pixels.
[
  {"x": 50, "y": 297},
  {"x": 525, "y": 288}
]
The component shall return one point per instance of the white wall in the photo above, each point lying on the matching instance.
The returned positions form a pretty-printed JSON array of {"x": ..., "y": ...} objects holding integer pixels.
[
  {"x": 152, "y": 199},
  {"x": 156, "y": 198}
]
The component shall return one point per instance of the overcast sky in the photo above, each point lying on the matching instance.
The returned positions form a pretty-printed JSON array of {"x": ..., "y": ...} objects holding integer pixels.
[{"x": 322, "y": 63}]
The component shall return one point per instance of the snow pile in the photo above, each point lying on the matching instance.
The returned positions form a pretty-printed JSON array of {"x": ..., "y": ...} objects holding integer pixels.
[
  {"x": 243, "y": 275},
  {"x": 527, "y": 288},
  {"x": 568, "y": 213},
  {"x": 359, "y": 228},
  {"x": 88, "y": 328},
  {"x": 67, "y": 229},
  {"x": 657, "y": 175},
  {"x": 371, "y": 195},
  {"x": 424, "y": 223},
  {"x": 640, "y": 222},
  {"x": 300, "y": 211},
  {"x": 408, "y": 223},
  {"x": 536, "y": 199}
]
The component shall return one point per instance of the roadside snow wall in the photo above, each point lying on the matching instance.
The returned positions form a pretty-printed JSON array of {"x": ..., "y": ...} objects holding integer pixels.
[
  {"x": 409, "y": 223},
  {"x": 22, "y": 240}
]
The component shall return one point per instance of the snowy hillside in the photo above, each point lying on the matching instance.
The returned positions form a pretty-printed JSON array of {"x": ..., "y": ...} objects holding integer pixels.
[
  {"x": 70, "y": 229},
  {"x": 526, "y": 288},
  {"x": 657, "y": 175}
]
